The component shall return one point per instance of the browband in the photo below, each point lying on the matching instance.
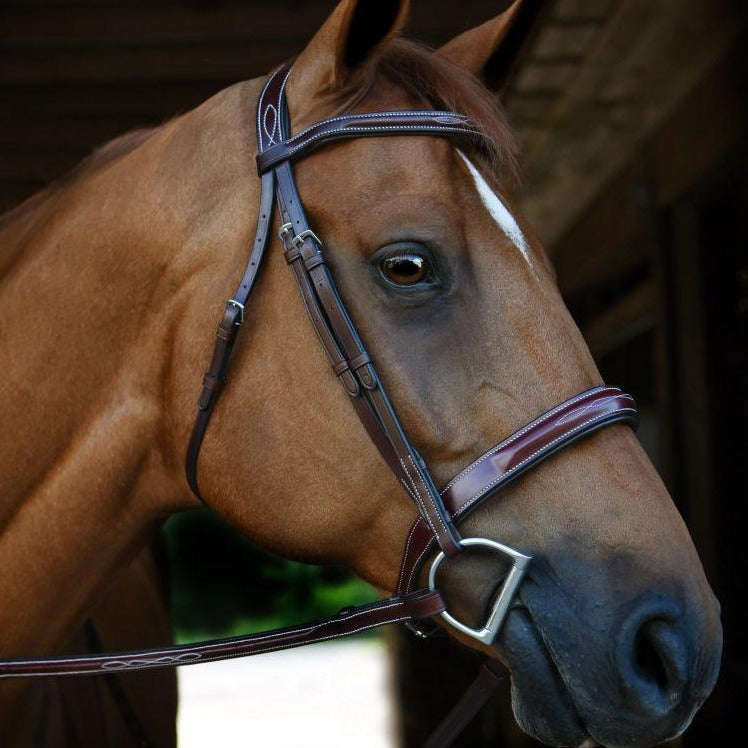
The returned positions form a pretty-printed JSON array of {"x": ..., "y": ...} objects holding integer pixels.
[{"x": 370, "y": 124}]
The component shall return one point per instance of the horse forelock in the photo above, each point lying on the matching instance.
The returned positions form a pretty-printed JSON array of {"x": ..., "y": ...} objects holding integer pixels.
[{"x": 436, "y": 82}]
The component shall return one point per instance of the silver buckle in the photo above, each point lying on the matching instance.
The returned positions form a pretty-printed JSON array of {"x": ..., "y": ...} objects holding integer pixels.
[
  {"x": 299, "y": 238},
  {"x": 492, "y": 626},
  {"x": 238, "y": 305}
]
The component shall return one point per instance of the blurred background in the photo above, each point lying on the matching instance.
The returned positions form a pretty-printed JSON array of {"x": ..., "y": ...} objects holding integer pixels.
[{"x": 632, "y": 115}]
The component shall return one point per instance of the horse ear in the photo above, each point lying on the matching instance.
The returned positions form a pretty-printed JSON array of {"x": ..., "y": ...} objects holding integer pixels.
[
  {"x": 343, "y": 46},
  {"x": 488, "y": 50}
]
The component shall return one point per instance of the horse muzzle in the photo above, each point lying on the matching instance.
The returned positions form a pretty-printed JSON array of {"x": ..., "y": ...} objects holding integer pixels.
[{"x": 632, "y": 677}]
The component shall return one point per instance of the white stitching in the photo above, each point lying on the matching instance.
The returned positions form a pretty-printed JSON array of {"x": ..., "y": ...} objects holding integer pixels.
[
  {"x": 533, "y": 424},
  {"x": 261, "y": 104},
  {"x": 416, "y": 565},
  {"x": 419, "y": 499},
  {"x": 259, "y": 111},
  {"x": 282, "y": 94},
  {"x": 379, "y": 115},
  {"x": 276, "y": 123},
  {"x": 316, "y": 640},
  {"x": 262, "y": 650},
  {"x": 259, "y": 637},
  {"x": 563, "y": 436},
  {"x": 506, "y": 475},
  {"x": 419, "y": 502},
  {"x": 405, "y": 554},
  {"x": 378, "y": 128},
  {"x": 437, "y": 514},
  {"x": 588, "y": 407}
]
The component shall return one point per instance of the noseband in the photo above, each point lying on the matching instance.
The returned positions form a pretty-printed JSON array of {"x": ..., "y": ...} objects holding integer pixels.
[{"x": 438, "y": 511}]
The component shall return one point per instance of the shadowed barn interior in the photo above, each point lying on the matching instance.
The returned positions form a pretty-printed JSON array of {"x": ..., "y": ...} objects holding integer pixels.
[{"x": 632, "y": 118}]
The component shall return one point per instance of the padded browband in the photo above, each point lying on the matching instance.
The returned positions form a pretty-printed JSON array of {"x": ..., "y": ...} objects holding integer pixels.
[{"x": 371, "y": 124}]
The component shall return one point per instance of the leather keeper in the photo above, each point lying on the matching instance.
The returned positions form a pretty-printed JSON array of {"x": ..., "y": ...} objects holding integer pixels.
[
  {"x": 214, "y": 384},
  {"x": 311, "y": 256},
  {"x": 367, "y": 376},
  {"x": 211, "y": 389},
  {"x": 341, "y": 367},
  {"x": 227, "y": 327},
  {"x": 350, "y": 383},
  {"x": 291, "y": 255},
  {"x": 357, "y": 362}
]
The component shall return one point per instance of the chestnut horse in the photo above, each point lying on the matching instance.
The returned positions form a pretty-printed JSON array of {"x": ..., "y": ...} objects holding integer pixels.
[{"x": 111, "y": 283}]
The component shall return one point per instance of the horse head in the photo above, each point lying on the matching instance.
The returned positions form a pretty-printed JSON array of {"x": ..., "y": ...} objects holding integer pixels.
[{"x": 614, "y": 634}]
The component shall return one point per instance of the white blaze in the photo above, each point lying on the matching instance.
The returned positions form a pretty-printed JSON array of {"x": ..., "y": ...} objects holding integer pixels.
[{"x": 498, "y": 210}]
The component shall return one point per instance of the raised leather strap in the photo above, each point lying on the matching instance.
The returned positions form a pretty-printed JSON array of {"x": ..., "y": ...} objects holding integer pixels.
[
  {"x": 370, "y": 124},
  {"x": 233, "y": 318},
  {"x": 568, "y": 422},
  {"x": 421, "y": 604}
]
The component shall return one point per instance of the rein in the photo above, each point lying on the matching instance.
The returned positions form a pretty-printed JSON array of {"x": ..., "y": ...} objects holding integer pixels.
[{"x": 438, "y": 511}]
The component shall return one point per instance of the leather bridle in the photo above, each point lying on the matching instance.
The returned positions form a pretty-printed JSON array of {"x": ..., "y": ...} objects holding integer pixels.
[{"x": 355, "y": 368}]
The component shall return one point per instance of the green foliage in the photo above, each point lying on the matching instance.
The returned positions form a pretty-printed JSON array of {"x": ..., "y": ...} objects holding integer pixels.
[{"x": 223, "y": 585}]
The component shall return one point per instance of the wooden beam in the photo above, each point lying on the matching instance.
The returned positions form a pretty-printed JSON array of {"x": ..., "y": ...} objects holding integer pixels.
[
  {"x": 709, "y": 124},
  {"x": 638, "y": 68}
]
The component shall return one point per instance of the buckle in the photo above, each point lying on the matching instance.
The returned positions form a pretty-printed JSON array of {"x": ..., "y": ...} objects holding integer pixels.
[
  {"x": 240, "y": 307},
  {"x": 490, "y": 629},
  {"x": 298, "y": 239}
]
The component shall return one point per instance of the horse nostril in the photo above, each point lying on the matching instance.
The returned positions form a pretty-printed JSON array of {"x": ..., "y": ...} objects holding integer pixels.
[
  {"x": 653, "y": 653},
  {"x": 659, "y": 657}
]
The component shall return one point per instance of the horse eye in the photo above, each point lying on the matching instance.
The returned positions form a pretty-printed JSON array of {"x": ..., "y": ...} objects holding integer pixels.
[{"x": 406, "y": 269}]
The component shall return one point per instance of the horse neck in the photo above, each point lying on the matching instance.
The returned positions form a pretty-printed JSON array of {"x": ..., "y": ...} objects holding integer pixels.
[{"x": 98, "y": 278}]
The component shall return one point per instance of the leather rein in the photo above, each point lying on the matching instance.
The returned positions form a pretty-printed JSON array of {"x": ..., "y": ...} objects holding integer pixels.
[{"x": 438, "y": 511}]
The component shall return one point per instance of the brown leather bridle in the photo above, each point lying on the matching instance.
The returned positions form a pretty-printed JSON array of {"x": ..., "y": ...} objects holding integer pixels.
[{"x": 438, "y": 510}]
